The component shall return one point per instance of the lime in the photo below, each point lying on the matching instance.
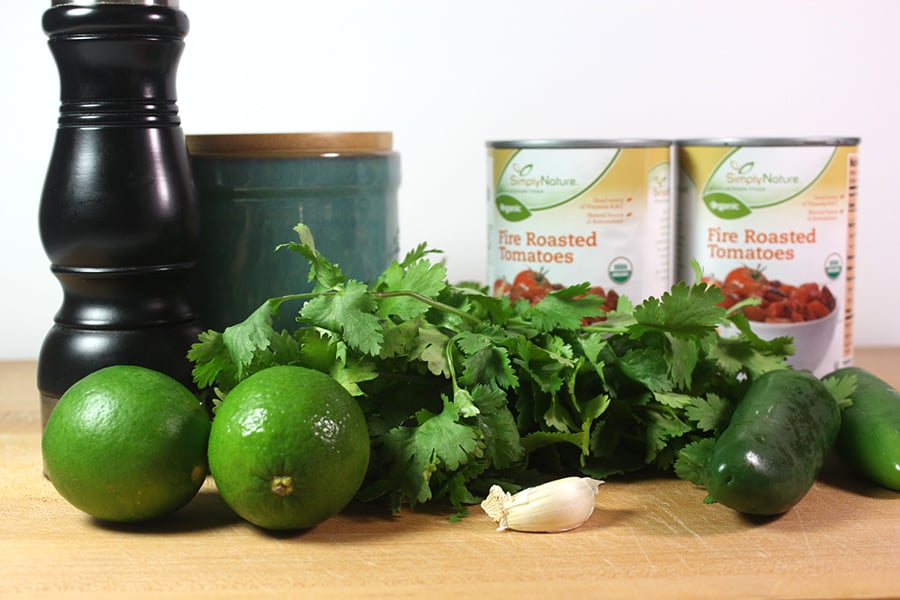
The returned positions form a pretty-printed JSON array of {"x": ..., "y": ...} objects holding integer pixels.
[
  {"x": 127, "y": 444},
  {"x": 289, "y": 448}
]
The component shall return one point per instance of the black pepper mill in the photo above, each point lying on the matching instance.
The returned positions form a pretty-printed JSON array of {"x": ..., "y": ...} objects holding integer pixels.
[{"x": 118, "y": 212}]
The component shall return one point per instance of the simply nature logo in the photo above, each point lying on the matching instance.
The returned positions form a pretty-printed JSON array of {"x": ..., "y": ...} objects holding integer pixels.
[
  {"x": 742, "y": 173},
  {"x": 522, "y": 177},
  {"x": 538, "y": 179},
  {"x": 522, "y": 180},
  {"x": 751, "y": 178}
]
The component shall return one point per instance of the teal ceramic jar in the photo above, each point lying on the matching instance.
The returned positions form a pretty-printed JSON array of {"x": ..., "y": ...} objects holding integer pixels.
[{"x": 253, "y": 189}]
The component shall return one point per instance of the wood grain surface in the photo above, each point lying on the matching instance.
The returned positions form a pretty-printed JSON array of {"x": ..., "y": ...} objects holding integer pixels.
[{"x": 648, "y": 538}]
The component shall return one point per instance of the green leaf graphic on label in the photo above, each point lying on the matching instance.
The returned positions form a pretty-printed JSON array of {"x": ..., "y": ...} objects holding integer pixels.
[
  {"x": 725, "y": 206},
  {"x": 743, "y": 169},
  {"x": 511, "y": 209},
  {"x": 523, "y": 171}
]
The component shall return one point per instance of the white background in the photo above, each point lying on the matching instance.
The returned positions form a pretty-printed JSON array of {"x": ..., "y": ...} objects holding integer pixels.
[{"x": 447, "y": 76}]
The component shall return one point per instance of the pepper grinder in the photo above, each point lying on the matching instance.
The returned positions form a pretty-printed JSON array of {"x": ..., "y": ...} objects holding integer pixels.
[{"x": 118, "y": 212}]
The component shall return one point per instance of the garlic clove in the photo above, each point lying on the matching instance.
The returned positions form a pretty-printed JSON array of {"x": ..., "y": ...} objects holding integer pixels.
[{"x": 558, "y": 505}]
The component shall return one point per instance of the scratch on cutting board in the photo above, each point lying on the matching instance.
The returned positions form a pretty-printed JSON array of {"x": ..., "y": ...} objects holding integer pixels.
[
  {"x": 803, "y": 529},
  {"x": 670, "y": 519},
  {"x": 674, "y": 523},
  {"x": 814, "y": 545},
  {"x": 640, "y": 546}
]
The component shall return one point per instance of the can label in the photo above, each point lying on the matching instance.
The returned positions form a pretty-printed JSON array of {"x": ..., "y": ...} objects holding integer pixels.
[
  {"x": 776, "y": 223},
  {"x": 600, "y": 215}
]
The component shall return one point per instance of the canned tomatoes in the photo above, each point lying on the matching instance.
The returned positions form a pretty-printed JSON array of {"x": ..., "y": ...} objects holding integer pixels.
[
  {"x": 567, "y": 212},
  {"x": 774, "y": 220}
]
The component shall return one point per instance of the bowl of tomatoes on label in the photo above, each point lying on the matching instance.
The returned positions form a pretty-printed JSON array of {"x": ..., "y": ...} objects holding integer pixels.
[{"x": 807, "y": 312}]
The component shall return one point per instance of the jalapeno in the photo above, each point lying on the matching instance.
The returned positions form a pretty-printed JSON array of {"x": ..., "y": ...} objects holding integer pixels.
[
  {"x": 869, "y": 440},
  {"x": 775, "y": 444}
]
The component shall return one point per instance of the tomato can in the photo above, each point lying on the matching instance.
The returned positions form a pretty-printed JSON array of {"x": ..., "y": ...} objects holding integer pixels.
[
  {"x": 565, "y": 212},
  {"x": 775, "y": 220}
]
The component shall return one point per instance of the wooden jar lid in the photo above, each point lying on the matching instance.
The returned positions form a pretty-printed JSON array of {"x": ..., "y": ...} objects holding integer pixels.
[{"x": 290, "y": 145}]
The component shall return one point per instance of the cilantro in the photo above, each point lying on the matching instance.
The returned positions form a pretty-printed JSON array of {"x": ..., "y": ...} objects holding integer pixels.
[
  {"x": 842, "y": 389},
  {"x": 348, "y": 313},
  {"x": 684, "y": 311},
  {"x": 565, "y": 309},
  {"x": 420, "y": 275},
  {"x": 321, "y": 270},
  {"x": 439, "y": 442},
  {"x": 710, "y": 413},
  {"x": 462, "y": 389},
  {"x": 691, "y": 463}
]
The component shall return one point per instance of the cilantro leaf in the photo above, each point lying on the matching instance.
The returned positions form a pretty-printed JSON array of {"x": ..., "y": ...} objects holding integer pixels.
[
  {"x": 440, "y": 441},
  {"x": 348, "y": 311},
  {"x": 672, "y": 400},
  {"x": 842, "y": 389},
  {"x": 228, "y": 357},
  {"x": 710, "y": 413},
  {"x": 691, "y": 462},
  {"x": 565, "y": 309},
  {"x": 352, "y": 374},
  {"x": 431, "y": 348},
  {"x": 746, "y": 350},
  {"x": 495, "y": 310},
  {"x": 662, "y": 425},
  {"x": 248, "y": 337},
  {"x": 685, "y": 311},
  {"x": 503, "y": 446},
  {"x": 484, "y": 362},
  {"x": 399, "y": 339},
  {"x": 419, "y": 252},
  {"x": 443, "y": 439},
  {"x": 647, "y": 365},
  {"x": 541, "y": 439},
  {"x": 421, "y": 276},
  {"x": 681, "y": 357},
  {"x": 742, "y": 354},
  {"x": 210, "y": 357},
  {"x": 326, "y": 274}
]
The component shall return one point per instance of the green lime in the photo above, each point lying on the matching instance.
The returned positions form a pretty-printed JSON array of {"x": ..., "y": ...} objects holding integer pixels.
[
  {"x": 127, "y": 444},
  {"x": 289, "y": 448}
]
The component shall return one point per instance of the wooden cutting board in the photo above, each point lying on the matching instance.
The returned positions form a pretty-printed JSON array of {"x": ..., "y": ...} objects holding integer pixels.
[{"x": 648, "y": 538}]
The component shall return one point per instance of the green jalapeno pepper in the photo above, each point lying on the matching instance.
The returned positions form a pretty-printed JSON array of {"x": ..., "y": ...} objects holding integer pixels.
[
  {"x": 775, "y": 444},
  {"x": 869, "y": 440}
]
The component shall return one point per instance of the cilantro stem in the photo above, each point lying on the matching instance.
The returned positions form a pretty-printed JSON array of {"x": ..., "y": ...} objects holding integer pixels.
[
  {"x": 600, "y": 328},
  {"x": 278, "y": 301},
  {"x": 449, "y": 354},
  {"x": 431, "y": 302},
  {"x": 751, "y": 301}
]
